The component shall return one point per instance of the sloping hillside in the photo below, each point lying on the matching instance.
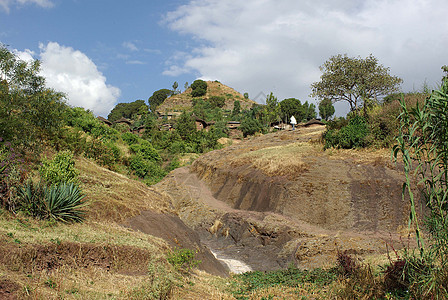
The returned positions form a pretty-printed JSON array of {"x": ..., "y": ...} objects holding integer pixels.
[
  {"x": 279, "y": 198},
  {"x": 184, "y": 101}
]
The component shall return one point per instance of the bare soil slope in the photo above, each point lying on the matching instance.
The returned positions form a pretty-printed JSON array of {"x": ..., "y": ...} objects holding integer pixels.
[{"x": 280, "y": 198}]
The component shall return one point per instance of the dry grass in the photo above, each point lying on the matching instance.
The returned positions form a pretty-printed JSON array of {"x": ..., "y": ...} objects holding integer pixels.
[
  {"x": 288, "y": 160},
  {"x": 114, "y": 197}
]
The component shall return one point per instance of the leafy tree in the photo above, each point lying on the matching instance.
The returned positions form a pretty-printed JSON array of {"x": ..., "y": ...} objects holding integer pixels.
[
  {"x": 186, "y": 85},
  {"x": 199, "y": 88},
  {"x": 291, "y": 107},
  {"x": 29, "y": 112},
  {"x": 127, "y": 110},
  {"x": 186, "y": 126},
  {"x": 355, "y": 80},
  {"x": 157, "y": 98},
  {"x": 326, "y": 109},
  {"x": 310, "y": 110},
  {"x": 175, "y": 86},
  {"x": 246, "y": 95},
  {"x": 272, "y": 109}
]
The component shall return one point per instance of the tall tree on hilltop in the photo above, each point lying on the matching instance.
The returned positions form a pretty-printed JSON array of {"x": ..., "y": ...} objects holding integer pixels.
[
  {"x": 355, "y": 80},
  {"x": 157, "y": 98}
]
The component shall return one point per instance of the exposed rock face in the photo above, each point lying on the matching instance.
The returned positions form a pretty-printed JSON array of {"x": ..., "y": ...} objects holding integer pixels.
[{"x": 279, "y": 198}]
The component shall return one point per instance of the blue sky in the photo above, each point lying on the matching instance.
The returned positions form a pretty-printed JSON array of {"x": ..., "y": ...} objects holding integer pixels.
[{"x": 104, "y": 52}]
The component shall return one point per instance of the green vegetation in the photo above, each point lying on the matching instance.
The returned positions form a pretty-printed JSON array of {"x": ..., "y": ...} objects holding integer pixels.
[
  {"x": 358, "y": 81},
  {"x": 182, "y": 259},
  {"x": 326, "y": 109},
  {"x": 422, "y": 143},
  {"x": 157, "y": 98},
  {"x": 353, "y": 135},
  {"x": 199, "y": 88},
  {"x": 59, "y": 169},
  {"x": 127, "y": 110}
]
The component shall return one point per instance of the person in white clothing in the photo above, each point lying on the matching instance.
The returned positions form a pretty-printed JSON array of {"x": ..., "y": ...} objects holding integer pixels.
[{"x": 293, "y": 122}]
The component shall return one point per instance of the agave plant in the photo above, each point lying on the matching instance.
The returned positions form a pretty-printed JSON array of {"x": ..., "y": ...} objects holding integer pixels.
[
  {"x": 31, "y": 199},
  {"x": 64, "y": 203}
]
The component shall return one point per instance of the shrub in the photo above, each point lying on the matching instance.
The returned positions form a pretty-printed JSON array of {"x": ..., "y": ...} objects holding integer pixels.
[
  {"x": 59, "y": 169},
  {"x": 147, "y": 151},
  {"x": 249, "y": 126},
  {"x": 217, "y": 101},
  {"x": 129, "y": 138},
  {"x": 182, "y": 259},
  {"x": 100, "y": 152},
  {"x": 351, "y": 136}
]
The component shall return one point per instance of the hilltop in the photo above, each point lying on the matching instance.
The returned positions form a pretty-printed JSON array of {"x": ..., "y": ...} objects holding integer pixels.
[{"x": 184, "y": 101}]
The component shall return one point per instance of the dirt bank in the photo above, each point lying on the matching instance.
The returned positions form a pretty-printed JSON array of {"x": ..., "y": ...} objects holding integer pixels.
[{"x": 279, "y": 198}]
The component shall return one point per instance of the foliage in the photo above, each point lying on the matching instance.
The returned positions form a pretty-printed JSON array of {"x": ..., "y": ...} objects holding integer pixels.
[
  {"x": 146, "y": 150},
  {"x": 246, "y": 95},
  {"x": 29, "y": 112},
  {"x": 84, "y": 120},
  {"x": 351, "y": 136},
  {"x": 423, "y": 141},
  {"x": 247, "y": 282},
  {"x": 59, "y": 169},
  {"x": 186, "y": 126},
  {"x": 309, "y": 110},
  {"x": 326, "y": 109},
  {"x": 236, "y": 111},
  {"x": 249, "y": 126},
  {"x": 157, "y": 98},
  {"x": 61, "y": 202},
  {"x": 102, "y": 152},
  {"x": 129, "y": 138},
  {"x": 127, "y": 110},
  {"x": 199, "y": 88},
  {"x": 182, "y": 259},
  {"x": 355, "y": 80},
  {"x": 291, "y": 107},
  {"x": 217, "y": 101},
  {"x": 272, "y": 109}
]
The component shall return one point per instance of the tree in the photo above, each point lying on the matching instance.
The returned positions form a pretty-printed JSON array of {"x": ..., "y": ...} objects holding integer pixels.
[
  {"x": 272, "y": 109},
  {"x": 186, "y": 126},
  {"x": 326, "y": 109},
  {"x": 236, "y": 109},
  {"x": 127, "y": 110},
  {"x": 175, "y": 86},
  {"x": 199, "y": 88},
  {"x": 29, "y": 112},
  {"x": 246, "y": 95},
  {"x": 157, "y": 98},
  {"x": 186, "y": 85},
  {"x": 310, "y": 111},
  {"x": 355, "y": 80},
  {"x": 291, "y": 107}
]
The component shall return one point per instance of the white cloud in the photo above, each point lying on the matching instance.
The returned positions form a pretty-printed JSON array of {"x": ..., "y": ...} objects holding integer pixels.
[
  {"x": 72, "y": 72},
  {"x": 130, "y": 46},
  {"x": 263, "y": 46},
  {"x": 6, "y": 4}
]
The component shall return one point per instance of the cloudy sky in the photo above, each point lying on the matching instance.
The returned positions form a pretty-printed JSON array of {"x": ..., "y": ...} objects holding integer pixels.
[{"x": 103, "y": 52}]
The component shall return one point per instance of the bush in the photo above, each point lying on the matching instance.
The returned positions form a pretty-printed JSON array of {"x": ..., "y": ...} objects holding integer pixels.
[
  {"x": 249, "y": 126},
  {"x": 182, "y": 259},
  {"x": 101, "y": 153},
  {"x": 351, "y": 136},
  {"x": 217, "y": 101},
  {"x": 60, "y": 169},
  {"x": 129, "y": 138},
  {"x": 147, "y": 151}
]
